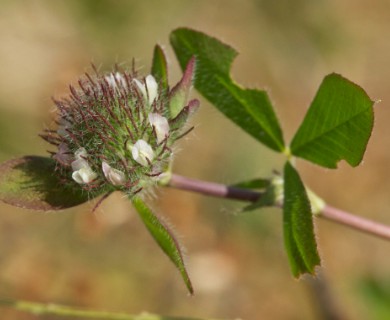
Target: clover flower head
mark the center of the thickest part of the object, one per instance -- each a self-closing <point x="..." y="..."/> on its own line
<point x="116" y="131"/>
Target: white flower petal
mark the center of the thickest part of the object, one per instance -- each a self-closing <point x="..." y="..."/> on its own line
<point x="114" y="176"/>
<point x="82" y="172"/>
<point x="151" y="84"/>
<point x="77" y="177"/>
<point x="79" y="164"/>
<point x="160" y="124"/>
<point x="142" y="152"/>
<point x="80" y="161"/>
<point x="84" y="175"/>
<point x="141" y="87"/>
<point x="87" y="174"/>
<point x="111" y="81"/>
<point x="114" y="79"/>
<point x="81" y="153"/>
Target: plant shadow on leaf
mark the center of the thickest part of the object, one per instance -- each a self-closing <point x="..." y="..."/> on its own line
<point x="30" y="182"/>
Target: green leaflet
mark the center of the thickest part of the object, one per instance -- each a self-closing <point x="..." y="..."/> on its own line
<point x="337" y="126"/>
<point x="30" y="182"/>
<point x="159" y="68"/>
<point x="164" y="238"/>
<point x="298" y="226"/>
<point x="248" y="108"/>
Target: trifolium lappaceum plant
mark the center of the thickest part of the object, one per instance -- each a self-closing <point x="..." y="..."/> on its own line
<point x="117" y="130"/>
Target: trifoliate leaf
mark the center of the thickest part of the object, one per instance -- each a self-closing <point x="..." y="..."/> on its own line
<point x="249" y="108"/>
<point x="337" y="126"/>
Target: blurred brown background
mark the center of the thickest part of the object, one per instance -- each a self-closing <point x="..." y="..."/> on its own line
<point x="107" y="260"/>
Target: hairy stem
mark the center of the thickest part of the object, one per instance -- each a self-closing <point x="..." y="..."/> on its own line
<point x="64" y="311"/>
<point x="328" y="212"/>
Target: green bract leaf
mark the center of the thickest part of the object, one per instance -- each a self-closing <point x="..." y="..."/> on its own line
<point x="272" y="195"/>
<point x="178" y="96"/>
<point x="253" y="184"/>
<point x="164" y="238"/>
<point x="30" y="182"/>
<point x="184" y="115"/>
<point x="248" y="108"/>
<point x="298" y="226"/>
<point x="159" y="67"/>
<point x="337" y="125"/>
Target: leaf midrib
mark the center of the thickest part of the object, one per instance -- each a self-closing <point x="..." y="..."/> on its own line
<point x="253" y="116"/>
<point x="220" y="76"/>
<point x="308" y="142"/>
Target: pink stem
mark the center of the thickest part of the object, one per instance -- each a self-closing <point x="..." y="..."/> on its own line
<point x="355" y="222"/>
<point x="329" y="212"/>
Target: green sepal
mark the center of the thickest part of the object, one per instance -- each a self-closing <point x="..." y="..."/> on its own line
<point x="164" y="238"/>
<point x="272" y="195"/>
<point x="182" y="118"/>
<point x="178" y="96"/>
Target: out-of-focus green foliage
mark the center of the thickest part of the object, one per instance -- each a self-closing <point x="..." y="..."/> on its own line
<point x="376" y="294"/>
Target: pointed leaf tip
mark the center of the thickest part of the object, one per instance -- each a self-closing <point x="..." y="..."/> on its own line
<point x="30" y="182"/>
<point x="160" y="68"/>
<point x="179" y="94"/>
<point x="164" y="238"/>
